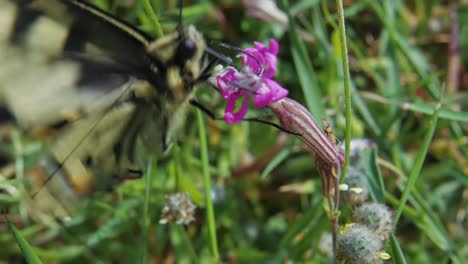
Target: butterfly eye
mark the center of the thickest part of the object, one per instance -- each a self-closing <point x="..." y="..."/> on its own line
<point x="185" y="51"/>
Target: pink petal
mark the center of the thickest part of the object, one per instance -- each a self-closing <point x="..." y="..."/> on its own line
<point x="262" y="96"/>
<point x="270" y="65"/>
<point x="225" y="83"/>
<point x="254" y="60"/>
<point x="231" y="117"/>
<point x="268" y="59"/>
<point x="278" y="92"/>
<point x="260" y="46"/>
<point x="268" y="93"/>
<point x="274" y="47"/>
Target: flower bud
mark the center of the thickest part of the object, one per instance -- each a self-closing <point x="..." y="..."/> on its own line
<point x="376" y="216"/>
<point x="359" y="245"/>
<point x="297" y="119"/>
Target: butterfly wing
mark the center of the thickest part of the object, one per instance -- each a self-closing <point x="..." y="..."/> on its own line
<point x="67" y="50"/>
<point x="96" y="83"/>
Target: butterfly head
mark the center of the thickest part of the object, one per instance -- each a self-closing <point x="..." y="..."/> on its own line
<point x="181" y="53"/>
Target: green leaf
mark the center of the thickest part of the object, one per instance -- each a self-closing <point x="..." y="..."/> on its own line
<point x="374" y="176"/>
<point x="275" y="162"/>
<point x="421" y="156"/>
<point x="428" y="109"/>
<point x="397" y="253"/>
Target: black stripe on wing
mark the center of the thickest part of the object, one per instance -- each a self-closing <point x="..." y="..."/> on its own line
<point x="121" y="41"/>
<point x="25" y="18"/>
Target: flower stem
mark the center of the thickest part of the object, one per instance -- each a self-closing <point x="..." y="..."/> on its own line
<point x="347" y="86"/>
<point x="207" y="184"/>
<point x="145" y="223"/>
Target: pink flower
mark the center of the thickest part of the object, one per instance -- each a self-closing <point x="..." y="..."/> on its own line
<point x="263" y="60"/>
<point x="260" y="64"/>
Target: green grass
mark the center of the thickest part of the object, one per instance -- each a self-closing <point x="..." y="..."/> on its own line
<point x="398" y="64"/>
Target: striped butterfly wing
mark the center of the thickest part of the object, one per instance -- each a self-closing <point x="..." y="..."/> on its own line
<point x="107" y="93"/>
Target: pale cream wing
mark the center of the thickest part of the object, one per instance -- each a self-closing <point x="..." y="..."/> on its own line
<point x="86" y="148"/>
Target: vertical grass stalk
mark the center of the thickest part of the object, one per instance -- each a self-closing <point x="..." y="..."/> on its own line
<point x="207" y="184"/>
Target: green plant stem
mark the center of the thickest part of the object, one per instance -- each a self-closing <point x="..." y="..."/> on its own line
<point x="207" y="184"/>
<point x="153" y="17"/>
<point x="347" y="85"/>
<point x="347" y="88"/>
<point x="145" y="222"/>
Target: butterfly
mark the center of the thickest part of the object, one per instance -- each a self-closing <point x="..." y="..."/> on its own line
<point x="105" y="92"/>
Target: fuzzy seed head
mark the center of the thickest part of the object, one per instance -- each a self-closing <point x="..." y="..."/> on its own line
<point x="376" y="216"/>
<point x="359" y="245"/>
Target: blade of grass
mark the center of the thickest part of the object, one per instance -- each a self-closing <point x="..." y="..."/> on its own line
<point x="423" y="216"/>
<point x="19" y="167"/>
<point x="153" y="17"/>
<point x="26" y="249"/>
<point x="372" y="169"/>
<point x="275" y="162"/>
<point x="207" y="184"/>
<point x="445" y="113"/>
<point x="418" y="163"/>
<point x="420" y="107"/>
<point x="397" y="254"/>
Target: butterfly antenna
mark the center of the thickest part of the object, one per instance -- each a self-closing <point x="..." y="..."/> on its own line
<point x="181" y="18"/>
<point x="220" y="56"/>
<point x="232" y="47"/>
